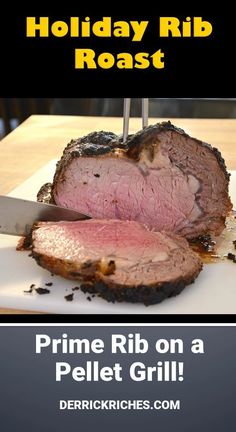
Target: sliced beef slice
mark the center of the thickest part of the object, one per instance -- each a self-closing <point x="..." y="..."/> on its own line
<point x="160" y="177"/>
<point x="122" y="261"/>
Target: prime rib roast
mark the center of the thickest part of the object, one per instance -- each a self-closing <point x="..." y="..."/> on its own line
<point x="160" y="177"/>
<point x="144" y="196"/>
<point x="120" y="260"/>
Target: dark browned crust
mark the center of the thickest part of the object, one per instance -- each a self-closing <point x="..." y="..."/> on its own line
<point x="25" y="243"/>
<point x="101" y="138"/>
<point x="148" y="295"/>
<point x="136" y="142"/>
<point x="94" y="144"/>
<point x="44" y="194"/>
<point x="95" y="281"/>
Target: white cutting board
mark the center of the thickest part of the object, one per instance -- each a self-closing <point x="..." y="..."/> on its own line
<point x="214" y="291"/>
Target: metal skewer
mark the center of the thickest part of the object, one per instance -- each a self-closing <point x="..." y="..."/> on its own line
<point x="145" y="112"/>
<point x="126" y="115"/>
<point x="126" y="119"/>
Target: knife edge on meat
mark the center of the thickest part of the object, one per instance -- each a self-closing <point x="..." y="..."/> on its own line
<point x="17" y="216"/>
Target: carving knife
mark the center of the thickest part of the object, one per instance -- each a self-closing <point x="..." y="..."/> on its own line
<point x="17" y="216"/>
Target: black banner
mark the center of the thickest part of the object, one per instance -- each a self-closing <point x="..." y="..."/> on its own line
<point x="82" y="52"/>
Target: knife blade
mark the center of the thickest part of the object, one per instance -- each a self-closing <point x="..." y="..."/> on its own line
<point x="17" y="216"/>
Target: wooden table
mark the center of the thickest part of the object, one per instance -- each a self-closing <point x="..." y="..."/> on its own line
<point x="42" y="138"/>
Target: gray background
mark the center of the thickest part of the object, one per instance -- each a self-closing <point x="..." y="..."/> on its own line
<point x="29" y="394"/>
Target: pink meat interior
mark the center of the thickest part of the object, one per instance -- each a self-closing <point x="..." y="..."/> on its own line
<point x="141" y="257"/>
<point x="114" y="188"/>
<point x="96" y="239"/>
